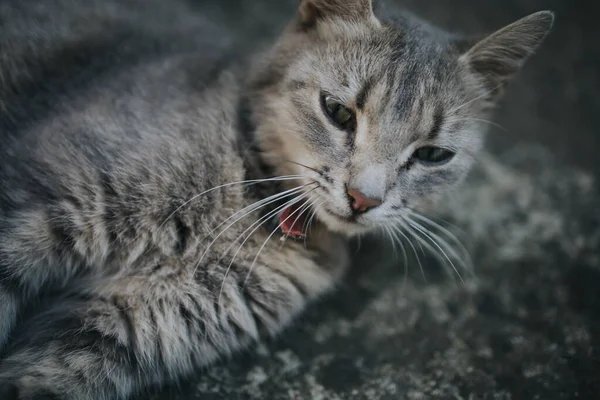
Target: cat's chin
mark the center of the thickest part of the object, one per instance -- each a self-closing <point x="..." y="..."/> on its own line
<point x="340" y="225"/>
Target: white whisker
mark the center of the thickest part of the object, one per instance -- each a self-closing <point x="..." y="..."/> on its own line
<point x="424" y="232"/>
<point x="256" y="227"/>
<point x="388" y="231"/>
<point x="474" y="100"/>
<point x="251" y="208"/>
<point x="410" y="243"/>
<point x="309" y="221"/>
<point x="303" y="209"/>
<point x="442" y="242"/>
<point x="422" y="242"/>
<point x="265" y="201"/>
<point x="250" y="182"/>
<point x="485" y="121"/>
<point x="312" y="211"/>
<point x="467" y="263"/>
<point x="271" y="235"/>
<point x="396" y="230"/>
<point x="358" y="244"/>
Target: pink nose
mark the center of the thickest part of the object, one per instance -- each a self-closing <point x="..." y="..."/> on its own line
<point x="361" y="203"/>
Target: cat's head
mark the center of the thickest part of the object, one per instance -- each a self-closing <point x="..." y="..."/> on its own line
<point x="384" y="115"/>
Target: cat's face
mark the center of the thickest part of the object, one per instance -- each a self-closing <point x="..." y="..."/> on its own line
<point x="384" y="116"/>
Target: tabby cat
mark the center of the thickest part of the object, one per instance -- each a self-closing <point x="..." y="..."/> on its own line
<point x="162" y="207"/>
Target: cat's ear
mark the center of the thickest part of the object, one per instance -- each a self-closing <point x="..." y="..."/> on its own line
<point x="311" y="11"/>
<point x="499" y="56"/>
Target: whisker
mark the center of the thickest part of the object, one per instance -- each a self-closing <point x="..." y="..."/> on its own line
<point x="304" y="166"/>
<point x="394" y="249"/>
<point x="410" y="243"/>
<point x="310" y="220"/>
<point x="465" y="253"/>
<point x="474" y="100"/>
<point x="270" y="214"/>
<point x="492" y="123"/>
<point x="405" y="279"/>
<point x="253" y="207"/>
<point x="442" y="241"/>
<point x="358" y="244"/>
<point x="423" y="231"/>
<point x="260" y="223"/>
<point x="271" y="235"/>
<point x="454" y="227"/>
<point x="306" y="206"/>
<point x="268" y="200"/>
<point x="312" y="210"/>
<point x="395" y="232"/>
<point x="303" y="209"/>
<point x="251" y="182"/>
<point x="422" y="242"/>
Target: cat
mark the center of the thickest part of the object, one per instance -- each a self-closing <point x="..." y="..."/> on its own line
<point x="162" y="207"/>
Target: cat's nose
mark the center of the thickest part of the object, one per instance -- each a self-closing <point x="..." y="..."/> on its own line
<point x="360" y="203"/>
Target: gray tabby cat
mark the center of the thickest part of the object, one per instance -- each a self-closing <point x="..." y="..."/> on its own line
<point x="144" y="182"/>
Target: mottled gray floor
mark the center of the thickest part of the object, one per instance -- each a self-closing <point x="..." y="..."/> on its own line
<point x="528" y="325"/>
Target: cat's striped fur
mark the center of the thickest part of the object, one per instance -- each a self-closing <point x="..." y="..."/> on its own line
<point x="124" y="142"/>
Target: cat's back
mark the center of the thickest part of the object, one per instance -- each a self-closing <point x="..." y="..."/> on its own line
<point x="98" y="78"/>
<point x="111" y="111"/>
<point x="56" y="51"/>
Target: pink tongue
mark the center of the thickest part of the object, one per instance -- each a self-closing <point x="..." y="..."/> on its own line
<point x="292" y="222"/>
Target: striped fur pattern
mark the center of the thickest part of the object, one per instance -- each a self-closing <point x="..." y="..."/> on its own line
<point x="142" y="177"/>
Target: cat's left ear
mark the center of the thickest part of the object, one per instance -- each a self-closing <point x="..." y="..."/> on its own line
<point x="313" y="11"/>
<point x="498" y="57"/>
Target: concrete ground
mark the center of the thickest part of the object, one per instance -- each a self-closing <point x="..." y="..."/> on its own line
<point x="528" y="326"/>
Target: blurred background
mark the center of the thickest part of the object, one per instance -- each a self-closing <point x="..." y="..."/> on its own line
<point x="528" y="327"/>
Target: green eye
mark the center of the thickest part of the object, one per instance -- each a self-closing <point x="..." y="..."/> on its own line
<point x="431" y="155"/>
<point x="339" y="114"/>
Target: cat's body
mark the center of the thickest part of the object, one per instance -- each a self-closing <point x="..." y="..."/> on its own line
<point x="119" y="261"/>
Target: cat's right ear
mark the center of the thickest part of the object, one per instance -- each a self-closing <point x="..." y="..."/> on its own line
<point x="499" y="56"/>
<point x="313" y="11"/>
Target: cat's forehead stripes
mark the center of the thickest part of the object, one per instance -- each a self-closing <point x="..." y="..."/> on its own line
<point x="438" y="122"/>
<point x="362" y="96"/>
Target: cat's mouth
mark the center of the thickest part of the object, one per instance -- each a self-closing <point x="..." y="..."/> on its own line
<point x="294" y="220"/>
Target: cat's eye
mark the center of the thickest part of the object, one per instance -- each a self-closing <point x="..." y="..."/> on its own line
<point x="431" y="155"/>
<point x="338" y="113"/>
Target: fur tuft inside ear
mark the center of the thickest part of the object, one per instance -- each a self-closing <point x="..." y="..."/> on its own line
<point x="499" y="56"/>
<point x="311" y="11"/>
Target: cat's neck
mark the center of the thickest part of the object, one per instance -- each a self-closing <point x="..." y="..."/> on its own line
<point x="248" y="146"/>
<point x="258" y="162"/>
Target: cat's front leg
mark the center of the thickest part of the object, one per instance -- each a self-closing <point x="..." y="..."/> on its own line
<point x="128" y="334"/>
<point x="112" y="342"/>
<point x="37" y="254"/>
